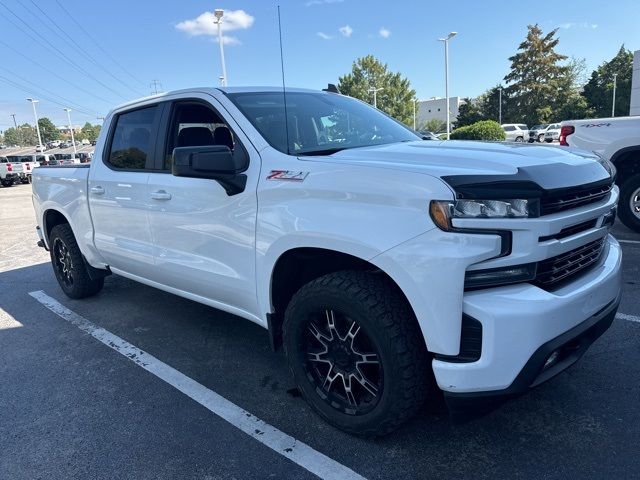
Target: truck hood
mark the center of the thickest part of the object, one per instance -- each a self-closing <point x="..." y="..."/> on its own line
<point x="550" y="167"/>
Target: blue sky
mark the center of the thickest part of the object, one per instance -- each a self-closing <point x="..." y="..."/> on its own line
<point x="164" y="40"/>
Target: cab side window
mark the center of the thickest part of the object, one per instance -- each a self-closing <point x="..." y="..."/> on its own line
<point x="132" y="138"/>
<point x="195" y="124"/>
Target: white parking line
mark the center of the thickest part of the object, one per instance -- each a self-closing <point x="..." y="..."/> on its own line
<point x="635" y="242"/>
<point x="624" y="316"/>
<point x="281" y="443"/>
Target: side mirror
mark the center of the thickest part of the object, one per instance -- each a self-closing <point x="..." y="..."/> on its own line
<point x="216" y="162"/>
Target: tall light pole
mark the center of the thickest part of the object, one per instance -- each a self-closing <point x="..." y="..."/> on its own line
<point x="415" y="101"/>
<point x="218" y="14"/>
<point x="613" y="106"/>
<point x="33" y="103"/>
<point x="500" y="105"/>
<point x="446" y="76"/>
<point x="375" y="95"/>
<point x="73" y="140"/>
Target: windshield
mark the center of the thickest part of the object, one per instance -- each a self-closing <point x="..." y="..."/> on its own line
<point x="319" y="123"/>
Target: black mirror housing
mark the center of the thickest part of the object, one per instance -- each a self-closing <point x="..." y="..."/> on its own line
<point x="216" y="162"/>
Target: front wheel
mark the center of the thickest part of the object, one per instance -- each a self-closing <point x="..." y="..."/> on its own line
<point x="629" y="203"/>
<point x="541" y="138"/>
<point x="356" y="352"/>
<point x="68" y="264"/>
<point x="519" y="139"/>
<point x="7" y="183"/>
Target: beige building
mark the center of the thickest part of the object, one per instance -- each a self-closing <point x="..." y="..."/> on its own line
<point x="434" y="109"/>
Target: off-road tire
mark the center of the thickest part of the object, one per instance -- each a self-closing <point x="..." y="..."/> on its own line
<point x="628" y="189"/>
<point x="383" y="313"/>
<point x="75" y="282"/>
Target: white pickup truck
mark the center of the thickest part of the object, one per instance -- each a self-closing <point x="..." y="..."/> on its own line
<point x="616" y="140"/>
<point x="9" y="172"/>
<point x="378" y="261"/>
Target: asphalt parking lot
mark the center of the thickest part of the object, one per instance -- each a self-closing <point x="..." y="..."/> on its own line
<point x="71" y="407"/>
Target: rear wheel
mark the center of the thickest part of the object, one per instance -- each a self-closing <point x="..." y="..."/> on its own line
<point x="69" y="266"/>
<point x="541" y="138"/>
<point x="520" y="139"/>
<point x="7" y="183"/>
<point x="356" y="352"/>
<point x="629" y="203"/>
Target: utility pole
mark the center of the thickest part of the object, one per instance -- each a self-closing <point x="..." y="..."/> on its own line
<point x="33" y="104"/>
<point x="73" y="140"/>
<point x="500" y="105"/>
<point x="446" y="76"/>
<point x="415" y="100"/>
<point x="375" y="95"/>
<point x="15" y="124"/>
<point x="154" y="86"/>
<point x="615" y="84"/>
<point x="218" y="14"/>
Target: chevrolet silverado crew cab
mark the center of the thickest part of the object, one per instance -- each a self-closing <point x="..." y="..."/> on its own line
<point x="616" y="140"/>
<point x="377" y="261"/>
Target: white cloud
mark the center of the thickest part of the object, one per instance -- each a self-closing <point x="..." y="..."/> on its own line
<point x="324" y="36"/>
<point x="384" y="33"/>
<point x="205" y="24"/>
<point x="322" y="2"/>
<point x="346" y="31"/>
<point x="570" y="25"/>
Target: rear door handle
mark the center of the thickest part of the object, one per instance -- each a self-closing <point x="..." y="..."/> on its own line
<point x="97" y="190"/>
<point x="160" y="195"/>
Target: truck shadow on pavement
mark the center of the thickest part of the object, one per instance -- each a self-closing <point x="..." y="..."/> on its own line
<point x="582" y="423"/>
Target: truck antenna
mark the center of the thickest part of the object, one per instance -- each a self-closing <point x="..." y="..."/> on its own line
<point x="284" y="90"/>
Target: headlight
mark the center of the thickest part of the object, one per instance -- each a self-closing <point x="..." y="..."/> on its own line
<point x="443" y="211"/>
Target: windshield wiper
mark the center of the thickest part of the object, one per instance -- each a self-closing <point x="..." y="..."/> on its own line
<point x="326" y="151"/>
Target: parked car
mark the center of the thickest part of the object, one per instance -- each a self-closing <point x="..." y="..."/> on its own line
<point x="40" y="148"/>
<point x="536" y="134"/>
<point x="516" y="132"/>
<point x="94" y="143"/>
<point x="67" y="158"/>
<point x="427" y="135"/>
<point x="44" y="159"/>
<point x="2" y="147"/>
<point x="553" y="133"/>
<point x="64" y="144"/>
<point x="53" y="144"/>
<point x="377" y="269"/>
<point x="617" y="140"/>
<point x="9" y="175"/>
<point x="85" y="142"/>
<point x="27" y="164"/>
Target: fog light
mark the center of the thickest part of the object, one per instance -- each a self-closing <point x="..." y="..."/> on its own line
<point x="499" y="276"/>
<point x="552" y="360"/>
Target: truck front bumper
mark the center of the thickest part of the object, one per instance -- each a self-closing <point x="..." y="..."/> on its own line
<point x="530" y="334"/>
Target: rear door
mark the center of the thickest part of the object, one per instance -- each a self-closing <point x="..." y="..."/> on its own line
<point x="118" y="193"/>
<point x="204" y="238"/>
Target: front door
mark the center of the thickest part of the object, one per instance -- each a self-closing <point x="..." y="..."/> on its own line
<point x="205" y="239"/>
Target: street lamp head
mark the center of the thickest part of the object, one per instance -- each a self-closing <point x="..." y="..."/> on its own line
<point x="67" y="110"/>
<point x="32" y="100"/>
<point x="451" y="35"/>
<point x="218" y="12"/>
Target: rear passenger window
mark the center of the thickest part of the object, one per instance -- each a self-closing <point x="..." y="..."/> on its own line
<point x="131" y="141"/>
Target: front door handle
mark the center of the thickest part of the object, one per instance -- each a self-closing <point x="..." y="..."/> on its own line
<point x="160" y="195"/>
<point x="97" y="190"/>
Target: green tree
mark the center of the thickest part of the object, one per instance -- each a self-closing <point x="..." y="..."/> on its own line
<point x="89" y="132"/>
<point x="469" y="113"/>
<point x="24" y="135"/>
<point x="434" y="125"/>
<point x="598" y="92"/>
<point x="535" y="79"/>
<point x="396" y="96"/>
<point x="48" y="130"/>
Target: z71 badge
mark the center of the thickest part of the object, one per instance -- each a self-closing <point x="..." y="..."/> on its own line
<point x="290" y="175"/>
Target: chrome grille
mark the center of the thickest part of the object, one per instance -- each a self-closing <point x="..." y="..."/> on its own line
<point x="555" y="271"/>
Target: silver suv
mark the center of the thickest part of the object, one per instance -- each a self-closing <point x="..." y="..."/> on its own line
<point x="516" y="132"/>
